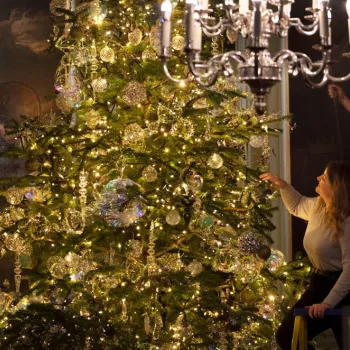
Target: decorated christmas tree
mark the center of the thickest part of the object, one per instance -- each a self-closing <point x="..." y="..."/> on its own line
<point x="139" y="224"/>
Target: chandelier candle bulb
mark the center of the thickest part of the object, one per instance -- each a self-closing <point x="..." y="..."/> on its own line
<point x="243" y="6"/>
<point x="166" y="9"/>
<point x="324" y="17"/>
<point x="315" y="4"/>
<point x="73" y="5"/>
<point x="287" y="9"/>
<point x="204" y="5"/>
<point x="257" y="18"/>
<point x="194" y="28"/>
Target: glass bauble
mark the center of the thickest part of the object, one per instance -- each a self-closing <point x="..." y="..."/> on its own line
<point x="275" y="261"/>
<point x="134" y="137"/>
<point x="195" y="182"/>
<point x="67" y="100"/>
<point x="150" y="174"/>
<point x="256" y="141"/>
<point x="183" y="128"/>
<point x="57" y="266"/>
<point x="195" y="268"/>
<point x="121" y="203"/>
<point x="37" y="194"/>
<point x="215" y="161"/>
<point x="98" y="12"/>
<point x="173" y="217"/>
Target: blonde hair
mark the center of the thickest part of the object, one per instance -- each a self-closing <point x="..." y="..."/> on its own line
<point x="339" y="209"/>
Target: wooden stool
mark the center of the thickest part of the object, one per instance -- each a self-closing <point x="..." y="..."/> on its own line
<point x="300" y="326"/>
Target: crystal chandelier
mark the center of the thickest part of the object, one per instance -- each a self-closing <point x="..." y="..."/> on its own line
<point x="255" y="20"/>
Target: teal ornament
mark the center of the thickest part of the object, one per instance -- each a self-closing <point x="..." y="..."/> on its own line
<point x="206" y="222"/>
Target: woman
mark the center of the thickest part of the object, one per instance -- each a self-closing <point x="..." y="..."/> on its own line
<point x="327" y="243"/>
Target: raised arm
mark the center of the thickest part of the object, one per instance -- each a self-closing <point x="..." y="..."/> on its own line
<point x="297" y="204"/>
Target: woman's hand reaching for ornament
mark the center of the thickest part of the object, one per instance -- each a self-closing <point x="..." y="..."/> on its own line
<point x="276" y="181"/>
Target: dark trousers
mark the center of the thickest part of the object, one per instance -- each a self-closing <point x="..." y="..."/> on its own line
<point x="319" y="288"/>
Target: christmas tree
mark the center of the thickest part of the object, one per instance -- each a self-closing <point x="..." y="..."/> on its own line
<point x="139" y="224"/>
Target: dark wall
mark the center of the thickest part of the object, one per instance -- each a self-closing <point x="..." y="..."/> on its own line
<point x="322" y="131"/>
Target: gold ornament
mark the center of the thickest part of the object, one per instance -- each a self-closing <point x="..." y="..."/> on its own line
<point x="17" y="213"/>
<point x="93" y="119"/>
<point x="107" y="54"/>
<point x="134" y="94"/>
<point x="178" y="42"/>
<point x="14" y="195"/>
<point x="149" y="54"/>
<point x="57" y="267"/>
<point x="99" y="84"/>
<point x="183" y="128"/>
<point x="231" y="34"/>
<point x="135" y="37"/>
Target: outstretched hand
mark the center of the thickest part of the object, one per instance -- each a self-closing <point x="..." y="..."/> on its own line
<point x="276" y="181"/>
<point x="336" y="92"/>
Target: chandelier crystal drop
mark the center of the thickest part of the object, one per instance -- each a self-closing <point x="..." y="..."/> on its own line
<point x="255" y="20"/>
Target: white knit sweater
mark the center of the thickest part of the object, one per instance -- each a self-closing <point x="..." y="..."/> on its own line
<point x="323" y="253"/>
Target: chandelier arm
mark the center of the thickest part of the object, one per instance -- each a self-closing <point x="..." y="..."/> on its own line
<point x="210" y="34"/>
<point x="209" y="66"/>
<point x="306" y="64"/>
<point x="217" y="28"/>
<point x="322" y="83"/>
<point x="285" y="55"/>
<point x="211" y="83"/>
<point x="304" y="29"/>
<point x="337" y="79"/>
<point x="170" y="77"/>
